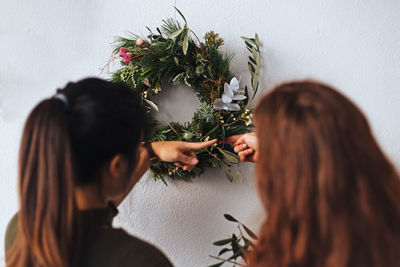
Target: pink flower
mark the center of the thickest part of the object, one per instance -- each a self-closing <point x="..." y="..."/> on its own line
<point x="127" y="58"/>
<point x="122" y="50"/>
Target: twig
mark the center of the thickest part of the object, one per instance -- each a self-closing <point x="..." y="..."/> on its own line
<point x="226" y="165"/>
<point x="195" y="35"/>
<point x="226" y="260"/>
<point x="172" y="128"/>
<point x="111" y="59"/>
<point x="201" y="48"/>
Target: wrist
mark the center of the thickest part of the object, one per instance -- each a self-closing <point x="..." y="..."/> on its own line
<point x="150" y="148"/>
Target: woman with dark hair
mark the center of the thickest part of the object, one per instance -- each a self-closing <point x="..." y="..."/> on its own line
<point x="331" y="196"/>
<point x="80" y="155"/>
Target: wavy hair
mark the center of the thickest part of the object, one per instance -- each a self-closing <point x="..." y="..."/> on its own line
<point x="331" y="196"/>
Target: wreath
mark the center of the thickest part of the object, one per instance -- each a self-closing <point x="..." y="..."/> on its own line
<point x="174" y="54"/>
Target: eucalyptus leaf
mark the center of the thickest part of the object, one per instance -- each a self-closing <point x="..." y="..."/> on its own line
<point x="222" y="242"/>
<point x="151" y="104"/>
<point x="228" y="175"/>
<point x="230" y="218"/>
<point x="231" y="157"/>
<point x="217" y="264"/>
<point x="249" y="232"/>
<point x="212" y="130"/>
<point x="224" y="251"/>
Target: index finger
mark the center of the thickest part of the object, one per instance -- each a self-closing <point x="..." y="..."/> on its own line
<point x="199" y="145"/>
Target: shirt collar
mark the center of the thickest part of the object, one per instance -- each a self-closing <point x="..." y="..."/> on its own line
<point x="100" y="216"/>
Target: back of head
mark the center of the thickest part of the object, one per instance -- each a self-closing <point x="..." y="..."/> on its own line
<point x="66" y="142"/>
<point x="331" y="196"/>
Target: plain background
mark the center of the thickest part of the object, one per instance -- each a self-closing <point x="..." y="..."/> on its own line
<point x="352" y="45"/>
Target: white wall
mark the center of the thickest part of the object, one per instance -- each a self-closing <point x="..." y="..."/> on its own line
<point x="353" y="45"/>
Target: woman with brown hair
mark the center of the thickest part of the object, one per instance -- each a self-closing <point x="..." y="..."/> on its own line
<point x="80" y="155"/>
<point x="331" y="196"/>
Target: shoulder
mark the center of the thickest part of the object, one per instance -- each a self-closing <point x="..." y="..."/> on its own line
<point x="115" y="247"/>
<point x="11" y="232"/>
<point x="144" y="253"/>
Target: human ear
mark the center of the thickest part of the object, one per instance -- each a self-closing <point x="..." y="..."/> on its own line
<point x="118" y="166"/>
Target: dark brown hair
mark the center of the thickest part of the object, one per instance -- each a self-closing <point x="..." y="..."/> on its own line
<point x="331" y="196"/>
<point x="65" y="143"/>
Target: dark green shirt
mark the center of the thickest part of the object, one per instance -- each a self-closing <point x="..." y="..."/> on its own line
<point x="104" y="245"/>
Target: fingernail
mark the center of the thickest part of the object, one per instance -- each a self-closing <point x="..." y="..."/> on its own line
<point x="194" y="161"/>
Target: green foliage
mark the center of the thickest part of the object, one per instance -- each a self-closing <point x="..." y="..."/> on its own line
<point x="174" y="54"/>
<point x="253" y="45"/>
<point x="236" y="245"/>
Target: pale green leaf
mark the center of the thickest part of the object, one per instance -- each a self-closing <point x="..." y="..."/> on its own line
<point x="254" y="83"/>
<point x="175" y="34"/>
<point x="254" y="52"/>
<point x="185" y="43"/>
<point x="151" y="104"/>
<point x="257" y="40"/>
<point x="248" y="40"/>
<point x="258" y="62"/>
<point x="180" y="13"/>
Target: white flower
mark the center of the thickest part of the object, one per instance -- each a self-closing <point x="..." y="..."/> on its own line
<point x="230" y="94"/>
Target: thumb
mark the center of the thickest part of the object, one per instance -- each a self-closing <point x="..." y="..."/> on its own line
<point x="187" y="159"/>
<point x="200" y="145"/>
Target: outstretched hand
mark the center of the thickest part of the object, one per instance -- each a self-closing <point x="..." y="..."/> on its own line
<point x="180" y="153"/>
<point x="246" y="145"/>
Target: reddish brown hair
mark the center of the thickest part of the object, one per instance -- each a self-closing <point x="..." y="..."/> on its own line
<point x="331" y="196"/>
